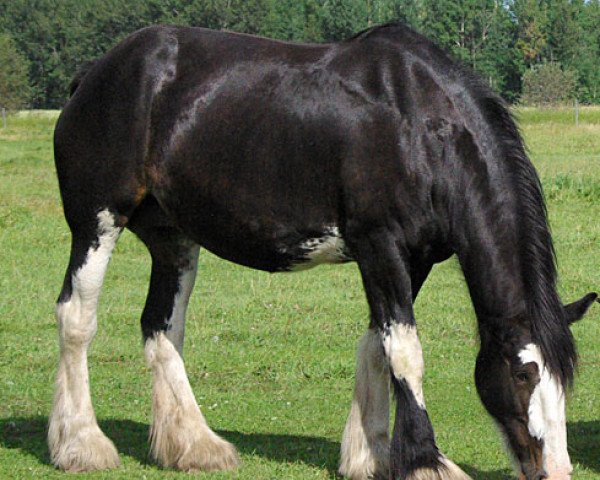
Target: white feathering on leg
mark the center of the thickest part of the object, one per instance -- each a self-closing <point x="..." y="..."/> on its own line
<point x="365" y="442"/>
<point x="76" y="442"/>
<point x="180" y="437"/>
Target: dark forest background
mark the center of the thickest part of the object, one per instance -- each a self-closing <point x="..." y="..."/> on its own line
<point x="512" y="44"/>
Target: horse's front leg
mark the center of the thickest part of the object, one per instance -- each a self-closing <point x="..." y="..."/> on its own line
<point x="365" y="449"/>
<point x="365" y="443"/>
<point x="414" y="454"/>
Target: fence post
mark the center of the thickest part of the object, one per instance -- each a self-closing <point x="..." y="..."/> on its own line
<point x="4" y="117"/>
<point x="576" y="113"/>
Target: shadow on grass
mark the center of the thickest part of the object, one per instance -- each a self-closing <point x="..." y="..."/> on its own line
<point x="315" y="451"/>
<point x="584" y="438"/>
<point x="492" y="475"/>
<point x="29" y="436"/>
<point x="131" y="438"/>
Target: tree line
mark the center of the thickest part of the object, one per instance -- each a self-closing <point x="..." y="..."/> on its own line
<point x="43" y="42"/>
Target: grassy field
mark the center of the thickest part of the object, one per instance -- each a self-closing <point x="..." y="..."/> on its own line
<point x="271" y="357"/>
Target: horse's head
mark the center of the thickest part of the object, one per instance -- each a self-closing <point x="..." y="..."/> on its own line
<point x="523" y="396"/>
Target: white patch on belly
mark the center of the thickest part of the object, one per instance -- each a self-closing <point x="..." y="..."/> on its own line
<point x="547" y="419"/>
<point x="329" y="248"/>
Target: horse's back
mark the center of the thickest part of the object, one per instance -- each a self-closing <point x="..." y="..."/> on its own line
<point x="254" y="147"/>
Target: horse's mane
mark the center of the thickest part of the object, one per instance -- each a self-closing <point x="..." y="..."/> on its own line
<point x="549" y="327"/>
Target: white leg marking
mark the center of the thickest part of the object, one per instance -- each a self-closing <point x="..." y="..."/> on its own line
<point x="403" y="350"/>
<point x="365" y="442"/>
<point x="75" y="440"/>
<point x="180" y="437"/>
<point x="547" y="420"/>
<point x="176" y="323"/>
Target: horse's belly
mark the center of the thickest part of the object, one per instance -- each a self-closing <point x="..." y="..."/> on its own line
<point x="286" y="252"/>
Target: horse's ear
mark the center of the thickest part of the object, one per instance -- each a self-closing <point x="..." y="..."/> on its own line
<point x="574" y="311"/>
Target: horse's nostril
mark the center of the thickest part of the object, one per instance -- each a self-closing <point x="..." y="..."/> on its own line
<point x="539" y="475"/>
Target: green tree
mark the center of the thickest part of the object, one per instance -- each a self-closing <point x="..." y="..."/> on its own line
<point x="482" y="34"/>
<point x="245" y="16"/>
<point x="441" y="21"/>
<point x="496" y="56"/>
<point x="14" y="86"/>
<point x="563" y="31"/>
<point x="498" y="38"/>
<point x="343" y="18"/>
<point x="548" y="84"/>
<point x="588" y="57"/>
<point x="58" y="37"/>
<point x="531" y="17"/>
<point x="313" y="28"/>
<point x="285" y="20"/>
<point x="407" y="11"/>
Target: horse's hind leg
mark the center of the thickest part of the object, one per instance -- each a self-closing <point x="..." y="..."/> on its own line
<point x="180" y="437"/>
<point x="75" y="440"/>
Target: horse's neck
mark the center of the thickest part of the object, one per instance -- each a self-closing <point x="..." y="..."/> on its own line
<point x="491" y="262"/>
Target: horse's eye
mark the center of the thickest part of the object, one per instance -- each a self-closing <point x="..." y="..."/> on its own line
<point x="522" y="376"/>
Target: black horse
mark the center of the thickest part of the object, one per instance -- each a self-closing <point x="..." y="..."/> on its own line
<point x="278" y="156"/>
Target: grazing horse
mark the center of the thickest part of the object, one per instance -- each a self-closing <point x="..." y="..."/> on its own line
<point x="279" y="156"/>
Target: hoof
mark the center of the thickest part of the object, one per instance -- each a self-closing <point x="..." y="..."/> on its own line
<point x="364" y="474"/>
<point x="366" y="461"/>
<point x="215" y="454"/>
<point x="203" y="450"/>
<point x="86" y="450"/>
<point x="447" y="471"/>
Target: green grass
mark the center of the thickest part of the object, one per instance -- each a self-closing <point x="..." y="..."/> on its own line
<point x="588" y="115"/>
<point x="270" y="357"/>
<point x="559" y="149"/>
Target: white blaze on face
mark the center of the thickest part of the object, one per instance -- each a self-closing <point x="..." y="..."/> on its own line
<point x="403" y="350"/>
<point x="547" y="420"/>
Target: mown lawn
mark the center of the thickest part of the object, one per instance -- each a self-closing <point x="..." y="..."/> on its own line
<point x="271" y="357"/>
